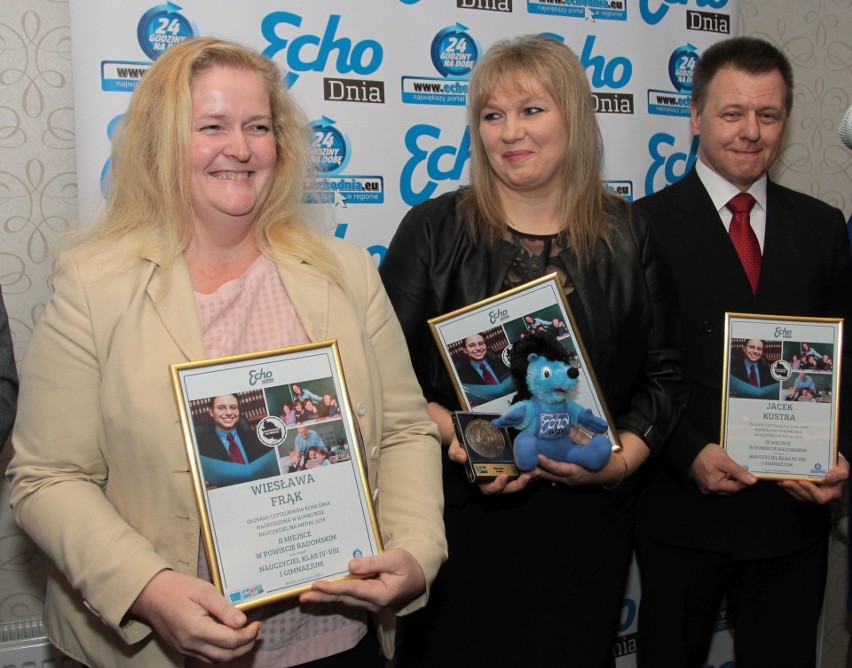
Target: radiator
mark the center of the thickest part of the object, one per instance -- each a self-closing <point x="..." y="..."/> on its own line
<point x="24" y="644"/>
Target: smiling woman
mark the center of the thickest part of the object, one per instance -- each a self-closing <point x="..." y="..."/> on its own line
<point x="232" y="150"/>
<point x="560" y="534"/>
<point x="522" y="131"/>
<point x="202" y="252"/>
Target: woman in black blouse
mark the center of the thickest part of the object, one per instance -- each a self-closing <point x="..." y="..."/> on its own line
<point x="537" y="565"/>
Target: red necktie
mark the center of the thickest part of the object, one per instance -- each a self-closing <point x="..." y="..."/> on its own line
<point x="752" y="376"/>
<point x="234" y="450"/>
<point x="744" y="238"/>
<point x="487" y="376"/>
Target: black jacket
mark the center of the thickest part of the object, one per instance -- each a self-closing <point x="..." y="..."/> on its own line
<point x="806" y="271"/>
<point x="623" y="306"/>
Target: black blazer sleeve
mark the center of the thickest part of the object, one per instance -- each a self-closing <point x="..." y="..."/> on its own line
<point x="659" y="391"/>
<point x="420" y="273"/>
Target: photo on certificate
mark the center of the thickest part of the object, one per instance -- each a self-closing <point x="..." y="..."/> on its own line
<point x="475" y="343"/>
<point x="278" y="470"/>
<point x="779" y="405"/>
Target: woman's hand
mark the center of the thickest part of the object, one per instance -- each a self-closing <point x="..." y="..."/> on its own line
<point x="194" y="618"/>
<point x="392" y="578"/>
<point x="574" y="474"/>
<point x="621" y="464"/>
<point x="501" y="485"/>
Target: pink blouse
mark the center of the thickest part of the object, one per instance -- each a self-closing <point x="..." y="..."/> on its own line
<point x="251" y="313"/>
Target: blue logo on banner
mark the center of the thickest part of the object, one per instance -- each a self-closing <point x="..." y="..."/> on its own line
<point x="628" y="614"/>
<point x="654" y="16"/>
<point x="668" y="103"/>
<point x="681" y="66"/>
<point x="122" y="76"/>
<point x="613" y="74"/>
<point x="676" y="102"/>
<point x="162" y="27"/>
<point x="362" y="57"/>
<point x="613" y="10"/>
<point x="453" y="157"/>
<point x="673" y="164"/>
<point x="330" y="151"/>
<point x="454" y="53"/>
<point x="622" y="188"/>
<point x="376" y="250"/>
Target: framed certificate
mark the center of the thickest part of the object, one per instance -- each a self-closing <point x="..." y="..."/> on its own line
<point x="278" y="470"/>
<point x="475" y="342"/>
<point x="780" y="401"/>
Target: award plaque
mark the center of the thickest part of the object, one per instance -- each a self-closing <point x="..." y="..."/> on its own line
<point x="780" y="396"/>
<point x="489" y="448"/>
<point x="278" y="470"/>
<point x="475" y="342"/>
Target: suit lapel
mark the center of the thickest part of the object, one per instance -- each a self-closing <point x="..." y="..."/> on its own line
<point x="780" y="248"/>
<point x="704" y="240"/>
<point x="308" y="290"/>
<point x="175" y="304"/>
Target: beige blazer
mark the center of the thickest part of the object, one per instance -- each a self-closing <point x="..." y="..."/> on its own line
<point x="100" y="478"/>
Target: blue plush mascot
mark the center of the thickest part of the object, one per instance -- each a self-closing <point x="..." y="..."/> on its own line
<point x="545" y="414"/>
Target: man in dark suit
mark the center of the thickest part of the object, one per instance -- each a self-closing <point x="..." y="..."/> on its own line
<point x="227" y="439"/>
<point x="706" y="527"/>
<point x="480" y="366"/>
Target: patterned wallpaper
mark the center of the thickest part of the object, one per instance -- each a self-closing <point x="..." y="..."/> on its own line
<point x="815" y="35"/>
<point x="38" y="195"/>
<point x="38" y="191"/>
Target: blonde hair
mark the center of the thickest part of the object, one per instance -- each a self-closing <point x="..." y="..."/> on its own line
<point x="149" y="198"/>
<point x="542" y="64"/>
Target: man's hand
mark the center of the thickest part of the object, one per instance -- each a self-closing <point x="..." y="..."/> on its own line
<point x="194" y="618"/>
<point x="716" y="473"/>
<point x="824" y="492"/>
<point x="393" y="578"/>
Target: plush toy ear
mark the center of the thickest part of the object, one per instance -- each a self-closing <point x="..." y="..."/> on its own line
<point x="572" y="372"/>
<point x="532" y="357"/>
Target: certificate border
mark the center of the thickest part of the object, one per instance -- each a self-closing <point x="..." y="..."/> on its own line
<point x="180" y="372"/>
<point x="548" y="280"/>
<point x="780" y="320"/>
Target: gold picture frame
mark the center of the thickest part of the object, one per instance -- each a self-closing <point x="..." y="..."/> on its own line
<point x="779" y="414"/>
<point x="290" y="504"/>
<point x="501" y="320"/>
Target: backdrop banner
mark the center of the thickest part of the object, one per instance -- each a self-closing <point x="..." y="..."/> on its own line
<point x="384" y="84"/>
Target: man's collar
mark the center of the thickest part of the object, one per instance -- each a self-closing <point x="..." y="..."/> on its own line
<point x="721" y="191"/>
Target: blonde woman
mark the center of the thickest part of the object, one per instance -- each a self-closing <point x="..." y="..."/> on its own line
<point x="202" y="252"/>
<point x="547" y="554"/>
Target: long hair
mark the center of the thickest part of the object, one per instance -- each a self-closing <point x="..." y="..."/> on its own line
<point x="531" y="64"/>
<point x="149" y="198"/>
